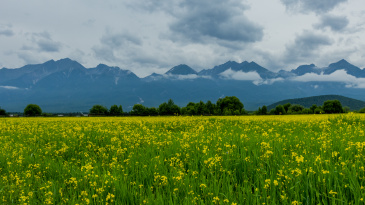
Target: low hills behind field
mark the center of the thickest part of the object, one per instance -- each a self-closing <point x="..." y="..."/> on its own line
<point x="353" y="104"/>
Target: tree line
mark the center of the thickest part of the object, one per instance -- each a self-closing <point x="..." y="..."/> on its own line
<point x="224" y="106"/>
<point x="328" y="107"/>
<point x="229" y="105"/>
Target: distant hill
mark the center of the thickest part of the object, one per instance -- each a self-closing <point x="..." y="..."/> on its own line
<point x="353" y="104"/>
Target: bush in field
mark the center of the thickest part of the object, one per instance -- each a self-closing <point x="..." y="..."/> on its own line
<point x="98" y="110"/>
<point x="32" y="110"/>
<point x="362" y="110"/>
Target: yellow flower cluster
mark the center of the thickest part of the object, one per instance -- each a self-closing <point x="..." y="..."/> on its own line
<point x="306" y="159"/>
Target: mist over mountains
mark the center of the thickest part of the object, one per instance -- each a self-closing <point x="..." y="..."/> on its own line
<point x="67" y="86"/>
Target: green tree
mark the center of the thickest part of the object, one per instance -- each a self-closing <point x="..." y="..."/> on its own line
<point x="152" y="111"/>
<point x="346" y="109"/>
<point x="286" y="107"/>
<point x="318" y="110"/>
<point x="116" y="110"/>
<point x="2" y="112"/>
<point x="201" y="108"/>
<point x="313" y="108"/>
<point x="259" y="111"/>
<point x="295" y="109"/>
<point x="169" y="108"/>
<point x="272" y="111"/>
<point x="229" y="105"/>
<point x="362" y="110"/>
<point x="190" y="109"/>
<point x="280" y="110"/>
<point x="139" y="110"/>
<point x="332" y="106"/>
<point x="210" y="107"/>
<point x="264" y="110"/>
<point x="307" y="111"/>
<point x="32" y="110"/>
<point x="98" y="110"/>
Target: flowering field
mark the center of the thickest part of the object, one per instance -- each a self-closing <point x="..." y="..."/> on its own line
<point x="308" y="159"/>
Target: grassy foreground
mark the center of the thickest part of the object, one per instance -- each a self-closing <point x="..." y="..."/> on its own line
<point x="312" y="159"/>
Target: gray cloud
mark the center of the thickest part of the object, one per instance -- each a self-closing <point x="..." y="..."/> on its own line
<point x="120" y="39"/>
<point x="316" y="6"/>
<point x="335" y="23"/>
<point x="104" y="53"/>
<point x="112" y="43"/>
<point x="48" y="45"/>
<point x="42" y="42"/>
<point x="305" y="47"/>
<point x="5" y="30"/>
<point x="28" y="57"/>
<point x="207" y="21"/>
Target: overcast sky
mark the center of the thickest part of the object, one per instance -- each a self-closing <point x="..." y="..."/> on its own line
<point x="154" y="35"/>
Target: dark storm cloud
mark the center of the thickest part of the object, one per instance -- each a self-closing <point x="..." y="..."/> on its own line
<point x="305" y="47"/>
<point x="335" y="23"/>
<point x="316" y="6"/>
<point x="204" y="20"/>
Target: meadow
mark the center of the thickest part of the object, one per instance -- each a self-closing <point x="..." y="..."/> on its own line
<point x="296" y="159"/>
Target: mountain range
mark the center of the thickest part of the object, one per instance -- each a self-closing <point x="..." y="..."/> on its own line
<point x="67" y="86"/>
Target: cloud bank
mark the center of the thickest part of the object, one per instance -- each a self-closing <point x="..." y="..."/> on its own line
<point x="316" y="6"/>
<point x="337" y="76"/>
<point x="335" y="23"/>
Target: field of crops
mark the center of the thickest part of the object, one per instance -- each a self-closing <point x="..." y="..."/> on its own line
<point x="309" y="159"/>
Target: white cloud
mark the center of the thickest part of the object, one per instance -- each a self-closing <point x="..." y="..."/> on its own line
<point x="184" y="77"/>
<point x="337" y="76"/>
<point x="9" y="87"/>
<point x="268" y="81"/>
<point x="239" y="75"/>
<point x="249" y="76"/>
